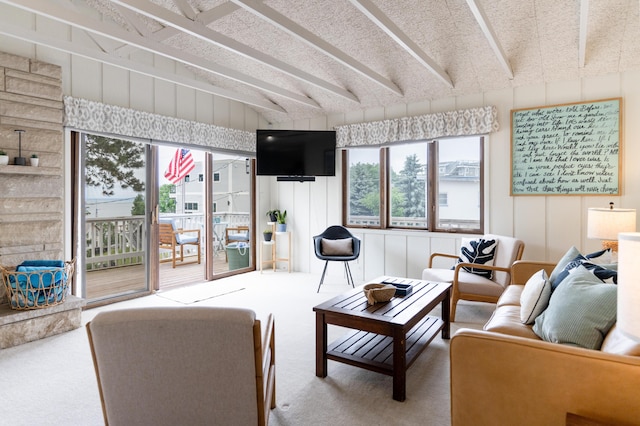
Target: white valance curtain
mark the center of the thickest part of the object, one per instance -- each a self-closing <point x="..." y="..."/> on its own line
<point x="97" y="117"/>
<point x="465" y="122"/>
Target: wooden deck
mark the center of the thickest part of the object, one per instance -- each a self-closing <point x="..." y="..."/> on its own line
<point x="131" y="279"/>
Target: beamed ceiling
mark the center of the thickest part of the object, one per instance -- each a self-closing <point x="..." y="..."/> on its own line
<point x="302" y="59"/>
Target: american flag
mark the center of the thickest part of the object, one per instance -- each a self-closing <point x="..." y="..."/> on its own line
<point x="180" y="166"/>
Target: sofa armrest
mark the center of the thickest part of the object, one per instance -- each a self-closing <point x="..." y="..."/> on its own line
<point x="499" y="379"/>
<point x="522" y="270"/>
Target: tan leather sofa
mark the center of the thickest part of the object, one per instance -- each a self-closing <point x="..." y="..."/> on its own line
<point x="506" y="375"/>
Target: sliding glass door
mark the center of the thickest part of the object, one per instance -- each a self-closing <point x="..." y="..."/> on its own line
<point x="112" y="217"/>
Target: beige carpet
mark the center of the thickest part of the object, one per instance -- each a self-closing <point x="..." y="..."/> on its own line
<point x="51" y="381"/>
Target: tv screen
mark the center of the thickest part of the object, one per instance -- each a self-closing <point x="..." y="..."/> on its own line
<point x="296" y="152"/>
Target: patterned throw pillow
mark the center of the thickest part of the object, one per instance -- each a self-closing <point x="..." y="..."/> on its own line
<point x="605" y="275"/>
<point x="478" y="251"/>
<point x="580" y="312"/>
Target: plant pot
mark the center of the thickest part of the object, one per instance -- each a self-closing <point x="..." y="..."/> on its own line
<point x="267" y="236"/>
<point x="34" y="161"/>
<point x="281" y="227"/>
<point x="272" y="217"/>
<point x="4" y="160"/>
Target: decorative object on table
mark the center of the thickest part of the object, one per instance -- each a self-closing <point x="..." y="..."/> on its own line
<point x="281" y="218"/>
<point x="268" y="233"/>
<point x="402" y="288"/>
<point x="605" y="224"/>
<point x="4" y="158"/>
<point x="376" y="293"/>
<point x="37" y="284"/>
<point x="34" y="160"/>
<point x="20" y="160"/>
<point x="273" y="215"/>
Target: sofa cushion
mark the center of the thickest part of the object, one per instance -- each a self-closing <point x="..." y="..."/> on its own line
<point x="581" y="311"/>
<point x="511" y="295"/>
<point x="535" y="297"/>
<point x="481" y="251"/>
<point x="467" y="282"/>
<point x="506" y="320"/>
<point x="339" y="247"/>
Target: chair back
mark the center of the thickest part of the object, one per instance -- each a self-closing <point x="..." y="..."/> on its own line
<point x="508" y="250"/>
<point x="336" y="232"/>
<point x="169" y="366"/>
<point x="166" y="235"/>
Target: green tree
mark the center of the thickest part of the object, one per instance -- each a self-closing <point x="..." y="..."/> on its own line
<point x="411" y="184"/>
<point x="113" y="161"/>
<point x="138" y="207"/>
<point x="167" y="204"/>
<point x="364" y="188"/>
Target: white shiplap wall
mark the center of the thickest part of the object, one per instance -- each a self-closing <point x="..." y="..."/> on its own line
<point x="548" y="225"/>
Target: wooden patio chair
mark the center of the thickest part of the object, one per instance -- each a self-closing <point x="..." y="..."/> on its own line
<point x="174" y="239"/>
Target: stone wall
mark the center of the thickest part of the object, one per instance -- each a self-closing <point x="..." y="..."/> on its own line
<point x="31" y="207"/>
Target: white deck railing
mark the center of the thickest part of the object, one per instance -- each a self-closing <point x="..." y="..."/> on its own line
<point x="121" y="241"/>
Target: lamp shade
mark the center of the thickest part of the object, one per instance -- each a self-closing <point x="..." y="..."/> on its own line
<point x="628" y="320"/>
<point x="606" y="224"/>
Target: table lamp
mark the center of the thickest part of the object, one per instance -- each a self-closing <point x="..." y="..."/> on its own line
<point x="606" y="224"/>
<point x="628" y="319"/>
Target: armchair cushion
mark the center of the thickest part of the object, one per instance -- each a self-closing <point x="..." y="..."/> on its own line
<point x="479" y="251"/>
<point x="534" y="298"/>
<point x="340" y="247"/>
<point x="581" y="311"/>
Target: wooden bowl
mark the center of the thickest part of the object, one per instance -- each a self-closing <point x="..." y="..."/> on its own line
<point x="376" y="293"/>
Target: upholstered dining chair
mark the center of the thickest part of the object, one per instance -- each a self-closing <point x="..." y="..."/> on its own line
<point x="184" y="366"/>
<point x="174" y="239"/>
<point x="336" y="243"/>
<point x="480" y="282"/>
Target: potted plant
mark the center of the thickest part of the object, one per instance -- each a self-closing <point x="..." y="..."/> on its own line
<point x="34" y="160"/>
<point x="273" y="215"/>
<point x="267" y="233"/>
<point x="281" y="218"/>
<point x="4" y="158"/>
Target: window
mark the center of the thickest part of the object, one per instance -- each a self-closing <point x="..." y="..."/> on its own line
<point x="200" y="177"/>
<point x="187" y="178"/>
<point x="363" y="181"/>
<point x="216" y="177"/>
<point x="433" y="185"/>
<point x="191" y="206"/>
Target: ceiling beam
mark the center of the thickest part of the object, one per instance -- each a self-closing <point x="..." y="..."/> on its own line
<point x="277" y="19"/>
<point x="205" y="18"/>
<point x="208" y="35"/>
<point x="31" y="36"/>
<point x="51" y="9"/>
<point x="582" y="43"/>
<point x="376" y="16"/>
<point x="185" y="8"/>
<point x="490" y="35"/>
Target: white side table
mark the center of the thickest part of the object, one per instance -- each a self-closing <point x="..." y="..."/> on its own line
<point x="264" y="245"/>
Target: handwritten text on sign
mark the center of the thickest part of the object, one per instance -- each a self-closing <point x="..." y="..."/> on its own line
<point x="566" y="149"/>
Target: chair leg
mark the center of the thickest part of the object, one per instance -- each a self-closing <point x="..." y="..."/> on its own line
<point x="348" y="273"/>
<point x="452" y="313"/>
<point x="324" y="271"/>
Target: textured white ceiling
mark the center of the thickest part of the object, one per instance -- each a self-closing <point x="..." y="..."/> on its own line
<point x="540" y="40"/>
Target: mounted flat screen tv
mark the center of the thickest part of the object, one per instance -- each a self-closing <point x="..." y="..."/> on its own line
<point x="296" y="153"/>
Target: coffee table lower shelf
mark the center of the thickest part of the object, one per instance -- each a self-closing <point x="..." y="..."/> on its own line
<point x="375" y="351"/>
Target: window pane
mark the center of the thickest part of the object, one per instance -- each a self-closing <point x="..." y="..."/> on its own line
<point x="459" y="183"/>
<point x="408" y="165"/>
<point x="363" y="187"/>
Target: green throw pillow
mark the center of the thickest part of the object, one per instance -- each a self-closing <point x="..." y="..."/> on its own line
<point x="581" y="311"/>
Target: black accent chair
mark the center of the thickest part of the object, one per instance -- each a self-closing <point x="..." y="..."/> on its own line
<point x="334" y="250"/>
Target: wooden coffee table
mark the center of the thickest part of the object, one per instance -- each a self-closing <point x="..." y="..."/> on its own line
<point x="389" y="336"/>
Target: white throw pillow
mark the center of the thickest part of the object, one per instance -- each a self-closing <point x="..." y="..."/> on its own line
<point x="535" y="297"/>
<point x="478" y="251"/>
